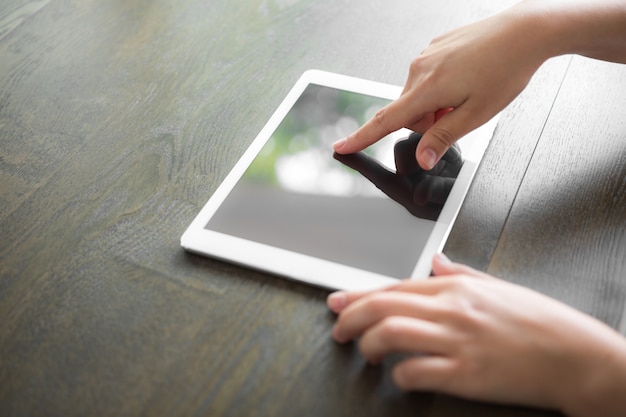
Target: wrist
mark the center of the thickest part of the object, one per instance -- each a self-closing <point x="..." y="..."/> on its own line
<point x="535" y="35"/>
<point x="600" y="386"/>
<point x="595" y="29"/>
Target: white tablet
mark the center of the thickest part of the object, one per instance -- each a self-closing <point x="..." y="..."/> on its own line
<point x="293" y="208"/>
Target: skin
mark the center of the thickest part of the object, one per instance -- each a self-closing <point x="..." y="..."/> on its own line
<point x="474" y="335"/>
<point x="465" y="77"/>
<point x="482" y="338"/>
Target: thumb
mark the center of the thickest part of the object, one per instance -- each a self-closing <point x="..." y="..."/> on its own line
<point x="444" y="266"/>
<point x="442" y="135"/>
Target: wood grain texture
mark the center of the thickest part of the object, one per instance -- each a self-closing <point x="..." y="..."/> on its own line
<point x="118" y="119"/>
<point x="14" y="13"/>
<point x="477" y="229"/>
<point x="566" y="235"/>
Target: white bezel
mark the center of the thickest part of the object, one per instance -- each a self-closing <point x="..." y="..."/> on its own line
<point x="306" y="268"/>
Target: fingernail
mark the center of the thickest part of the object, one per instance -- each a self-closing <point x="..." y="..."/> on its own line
<point x="340" y="144"/>
<point x="337" y="301"/>
<point x="429" y="157"/>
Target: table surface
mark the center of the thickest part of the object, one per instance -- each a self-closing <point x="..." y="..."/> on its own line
<point x="118" y="120"/>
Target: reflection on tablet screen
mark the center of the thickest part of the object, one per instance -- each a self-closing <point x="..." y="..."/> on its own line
<point x="373" y="210"/>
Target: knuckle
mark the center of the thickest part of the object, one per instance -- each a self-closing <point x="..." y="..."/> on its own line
<point x="462" y="304"/>
<point x="437" y="39"/>
<point x="442" y="136"/>
<point x="376" y="305"/>
<point x="416" y="65"/>
<point x="380" y="117"/>
<point x="391" y="328"/>
<point x="422" y="61"/>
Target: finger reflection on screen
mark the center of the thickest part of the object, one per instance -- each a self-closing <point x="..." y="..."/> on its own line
<point x="422" y="193"/>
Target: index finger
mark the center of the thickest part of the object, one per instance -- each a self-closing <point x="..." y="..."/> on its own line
<point x="390" y="118"/>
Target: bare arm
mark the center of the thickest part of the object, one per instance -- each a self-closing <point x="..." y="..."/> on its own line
<point x="482" y="338"/>
<point x="468" y="75"/>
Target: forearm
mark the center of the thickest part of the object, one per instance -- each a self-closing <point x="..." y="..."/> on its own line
<point x="600" y="388"/>
<point x="596" y="29"/>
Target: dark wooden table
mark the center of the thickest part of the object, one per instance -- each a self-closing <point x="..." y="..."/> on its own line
<point x="119" y="118"/>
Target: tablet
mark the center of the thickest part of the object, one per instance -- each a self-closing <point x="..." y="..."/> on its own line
<point x="294" y="208"/>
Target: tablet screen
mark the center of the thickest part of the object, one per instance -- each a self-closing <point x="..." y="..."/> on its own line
<point x="373" y="210"/>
